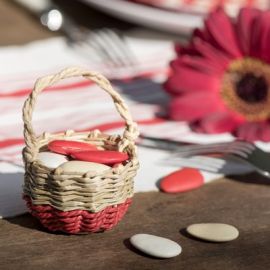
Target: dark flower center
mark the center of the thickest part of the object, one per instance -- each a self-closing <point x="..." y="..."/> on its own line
<point x="246" y="88"/>
<point x="251" y="88"/>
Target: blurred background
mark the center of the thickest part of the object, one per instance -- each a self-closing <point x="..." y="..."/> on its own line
<point x="171" y="82"/>
<point x="130" y="42"/>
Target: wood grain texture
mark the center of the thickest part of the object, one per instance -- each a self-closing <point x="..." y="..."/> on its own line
<point x="18" y="26"/>
<point x="244" y="203"/>
<point x="24" y="244"/>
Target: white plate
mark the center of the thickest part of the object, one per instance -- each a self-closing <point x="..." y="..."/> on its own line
<point x="169" y="21"/>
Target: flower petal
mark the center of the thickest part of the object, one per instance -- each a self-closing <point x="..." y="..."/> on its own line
<point x="218" y="122"/>
<point x="217" y="57"/>
<point x="222" y="32"/>
<point x="254" y="131"/>
<point x="190" y="107"/>
<point x="189" y="49"/>
<point x="185" y="50"/>
<point x="244" y="28"/>
<point x="260" y="37"/>
<point x="201" y="64"/>
<point x="201" y="46"/>
<point x="187" y="79"/>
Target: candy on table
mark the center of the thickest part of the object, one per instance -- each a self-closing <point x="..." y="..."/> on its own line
<point x="104" y="157"/>
<point x="75" y="166"/>
<point x="182" y="180"/>
<point x="51" y="160"/>
<point x="214" y="232"/>
<point x="155" y="246"/>
<point x="68" y="147"/>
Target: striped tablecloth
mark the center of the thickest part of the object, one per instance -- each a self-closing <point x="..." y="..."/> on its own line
<point x="80" y="105"/>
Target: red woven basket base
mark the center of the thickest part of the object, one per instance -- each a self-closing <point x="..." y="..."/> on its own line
<point x="77" y="221"/>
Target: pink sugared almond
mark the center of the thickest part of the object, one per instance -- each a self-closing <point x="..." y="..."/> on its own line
<point x="104" y="157"/>
<point x="182" y="180"/>
<point x="69" y="147"/>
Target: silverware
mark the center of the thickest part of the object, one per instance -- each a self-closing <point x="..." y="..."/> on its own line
<point x="159" y="143"/>
<point x="108" y="45"/>
<point x="226" y="165"/>
<point x="245" y="151"/>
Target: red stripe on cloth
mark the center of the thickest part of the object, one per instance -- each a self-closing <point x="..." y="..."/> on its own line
<point x="10" y="142"/>
<point x="118" y="124"/>
<point x="71" y="86"/>
<point x="24" y="92"/>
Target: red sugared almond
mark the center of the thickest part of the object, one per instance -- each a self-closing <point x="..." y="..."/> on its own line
<point x="182" y="180"/>
<point x="69" y="147"/>
<point x="104" y="157"/>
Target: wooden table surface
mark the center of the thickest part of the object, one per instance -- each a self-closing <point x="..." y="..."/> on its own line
<point x="243" y="202"/>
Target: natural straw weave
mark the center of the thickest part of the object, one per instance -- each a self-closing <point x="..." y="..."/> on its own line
<point x="73" y="191"/>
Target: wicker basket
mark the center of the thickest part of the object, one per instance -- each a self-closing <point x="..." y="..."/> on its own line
<point x="76" y="202"/>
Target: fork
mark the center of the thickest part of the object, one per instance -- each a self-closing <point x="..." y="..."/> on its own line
<point x="246" y="151"/>
<point x="107" y="43"/>
<point x="226" y="165"/>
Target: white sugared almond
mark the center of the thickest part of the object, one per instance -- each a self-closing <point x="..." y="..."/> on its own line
<point x="51" y="160"/>
<point x="83" y="167"/>
<point x="215" y="232"/>
<point x="156" y="246"/>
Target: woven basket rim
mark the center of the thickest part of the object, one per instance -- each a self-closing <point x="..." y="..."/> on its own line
<point x="69" y="136"/>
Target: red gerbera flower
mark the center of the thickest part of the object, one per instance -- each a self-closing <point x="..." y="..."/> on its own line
<point x="220" y="81"/>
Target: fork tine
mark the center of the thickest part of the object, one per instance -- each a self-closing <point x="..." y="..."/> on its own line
<point x="89" y="50"/>
<point x="222" y="165"/>
<point x="239" y="152"/>
<point x="199" y="162"/>
<point x="95" y="54"/>
<point x="107" y="37"/>
<point x="202" y="147"/>
<point x="197" y="165"/>
<point x="249" y="153"/>
<point x="219" y="147"/>
<point x="196" y="150"/>
<point x="97" y="41"/>
<point x="207" y="161"/>
<point x="120" y="47"/>
<point x="184" y="150"/>
<point x="238" y="148"/>
<point x="125" y="48"/>
<point x="109" y="47"/>
<point x="236" y="152"/>
<point x="89" y="40"/>
<point x="244" y="145"/>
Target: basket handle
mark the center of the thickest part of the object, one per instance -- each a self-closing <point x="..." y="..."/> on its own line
<point x="130" y="132"/>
